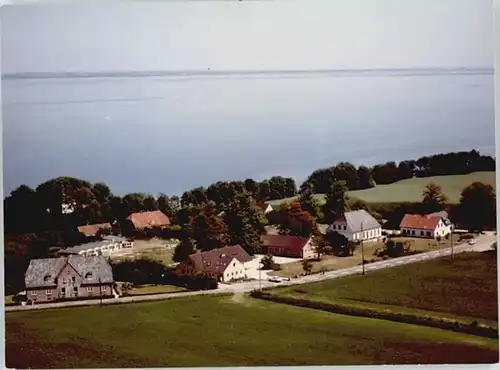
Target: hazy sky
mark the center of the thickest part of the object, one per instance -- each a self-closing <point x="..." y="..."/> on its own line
<point x="307" y="34"/>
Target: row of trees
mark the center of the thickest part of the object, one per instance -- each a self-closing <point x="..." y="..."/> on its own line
<point x="456" y="163"/>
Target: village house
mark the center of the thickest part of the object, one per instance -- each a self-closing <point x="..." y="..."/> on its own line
<point x="223" y="264"/>
<point x="357" y="225"/>
<point x="444" y="217"/>
<point x="70" y="277"/>
<point x="93" y="230"/>
<point x="150" y="219"/>
<point x="287" y="246"/>
<point x="425" y="226"/>
<point x="104" y="247"/>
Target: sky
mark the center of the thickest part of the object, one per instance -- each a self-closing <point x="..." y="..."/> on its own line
<point x="137" y="35"/>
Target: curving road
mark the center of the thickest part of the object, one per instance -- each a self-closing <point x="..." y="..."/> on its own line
<point x="483" y="243"/>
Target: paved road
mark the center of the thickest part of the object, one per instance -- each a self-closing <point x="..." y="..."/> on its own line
<point x="483" y="243"/>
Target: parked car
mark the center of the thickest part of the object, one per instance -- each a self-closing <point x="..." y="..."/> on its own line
<point x="274" y="279"/>
<point x="471" y="241"/>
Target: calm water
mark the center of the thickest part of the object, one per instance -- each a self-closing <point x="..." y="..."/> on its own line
<point x="171" y="133"/>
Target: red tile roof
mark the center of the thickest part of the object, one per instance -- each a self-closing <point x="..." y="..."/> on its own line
<point x="142" y="220"/>
<point x="217" y="260"/>
<point x="91" y="230"/>
<point x="419" y="222"/>
<point x="292" y="243"/>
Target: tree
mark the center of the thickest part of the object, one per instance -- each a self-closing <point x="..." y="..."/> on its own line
<point x="294" y="221"/>
<point x="337" y="242"/>
<point x="346" y="171"/>
<point x="167" y="205"/>
<point x="245" y="222"/>
<point x="252" y="187"/>
<point x="267" y="262"/>
<point x="307" y="266"/>
<point x="360" y="204"/>
<point x="478" y="206"/>
<point x="183" y="250"/>
<point x="320" y="244"/>
<point x="307" y="201"/>
<point x="264" y="191"/>
<point x="207" y="229"/>
<point x="365" y="179"/>
<point x="433" y="198"/>
<point x="336" y="202"/>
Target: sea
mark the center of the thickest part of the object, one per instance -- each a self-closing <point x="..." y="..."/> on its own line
<point x="171" y="131"/>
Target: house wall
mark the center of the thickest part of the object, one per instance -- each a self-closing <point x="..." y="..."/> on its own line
<point x="365" y="235"/>
<point x="308" y="251"/>
<point x="284" y="252"/>
<point x="235" y="270"/>
<point x="441" y="231"/>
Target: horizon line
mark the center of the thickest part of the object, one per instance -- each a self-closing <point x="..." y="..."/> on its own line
<point x="209" y="71"/>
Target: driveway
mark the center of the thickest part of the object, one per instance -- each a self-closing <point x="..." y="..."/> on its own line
<point x="252" y="267"/>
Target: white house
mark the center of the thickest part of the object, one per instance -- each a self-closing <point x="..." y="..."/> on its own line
<point x="223" y="264"/>
<point x="425" y="226"/>
<point x="357" y="226"/>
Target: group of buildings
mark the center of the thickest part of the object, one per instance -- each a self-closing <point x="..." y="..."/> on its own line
<point x="82" y="270"/>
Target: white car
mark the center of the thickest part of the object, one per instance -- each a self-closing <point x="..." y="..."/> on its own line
<point x="471" y="242"/>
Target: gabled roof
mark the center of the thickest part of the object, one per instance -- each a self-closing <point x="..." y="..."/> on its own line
<point x="43" y="272"/>
<point x="142" y="220"/>
<point x="419" y="222"/>
<point x="264" y="206"/>
<point x="91" y="230"/>
<point x="291" y="243"/>
<point x="217" y="260"/>
<point x="443" y="215"/>
<point x="359" y="220"/>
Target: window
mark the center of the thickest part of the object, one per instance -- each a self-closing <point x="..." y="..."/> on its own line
<point x="103" y="288"/>
<point x="345" y="227"/>
<point x="46" y="278"/>
<point x="48" y="291"/>
<point x="64" y="280"/>
<point x="88" y="275"/>
<point x="75" y="289"/>
<point x="73" y="279"/>
<point x="33" y="292"/>
<point x="413" y="232"/>
<point x="428" y="233"/>
<point x="421" y="233"/>
<point x="89" y="289"/>
<point x="234" y="264"/>
<point x="63" y="290"/>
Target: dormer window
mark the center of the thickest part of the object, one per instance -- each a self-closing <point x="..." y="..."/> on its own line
<point x="46" y="278"/>
<point x="88" y="275"/>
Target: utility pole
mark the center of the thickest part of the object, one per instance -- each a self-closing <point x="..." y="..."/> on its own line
<point x="451" y="239"/>
<point x="362" y="249"/>
<point x="260" y="279"/>
<point x="100" y="290"/>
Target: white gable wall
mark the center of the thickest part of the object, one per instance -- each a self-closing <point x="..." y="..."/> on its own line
<point x="235" y="270"/>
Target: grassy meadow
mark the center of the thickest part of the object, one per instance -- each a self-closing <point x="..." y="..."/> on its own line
<point x="410" y="190"/>
<point x="461" y="289"/>
<point x="225" y="331"/>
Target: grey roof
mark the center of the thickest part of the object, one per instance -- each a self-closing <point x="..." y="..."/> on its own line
<point x="360" y="219"/>
<point x="82" y="247"/>
<point x="43" y="272"/>
<point x="443" y="215"/>
<point x="114" y="238"/>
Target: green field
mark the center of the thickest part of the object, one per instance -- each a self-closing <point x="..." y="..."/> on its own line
<point x="463" y="289"/>
<point x="411" y="190"/>
<point x="225" y="331"/>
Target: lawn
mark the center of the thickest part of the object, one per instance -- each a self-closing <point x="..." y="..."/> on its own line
<point x="328" y="263"/>
<point x="160" y="250"/>
<point x="154" y="289"/>
<point x="225" y="331"/>
<point x="464" y="288"/>
<point x="411" y="190"/>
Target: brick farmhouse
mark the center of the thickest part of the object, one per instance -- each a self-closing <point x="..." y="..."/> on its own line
<point x="69" y="277"/>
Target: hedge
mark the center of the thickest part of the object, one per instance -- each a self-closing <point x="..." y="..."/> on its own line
<point x="473" y="328"/>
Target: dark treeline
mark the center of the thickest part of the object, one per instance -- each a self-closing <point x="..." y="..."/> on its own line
<point x="456" y="163"/>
